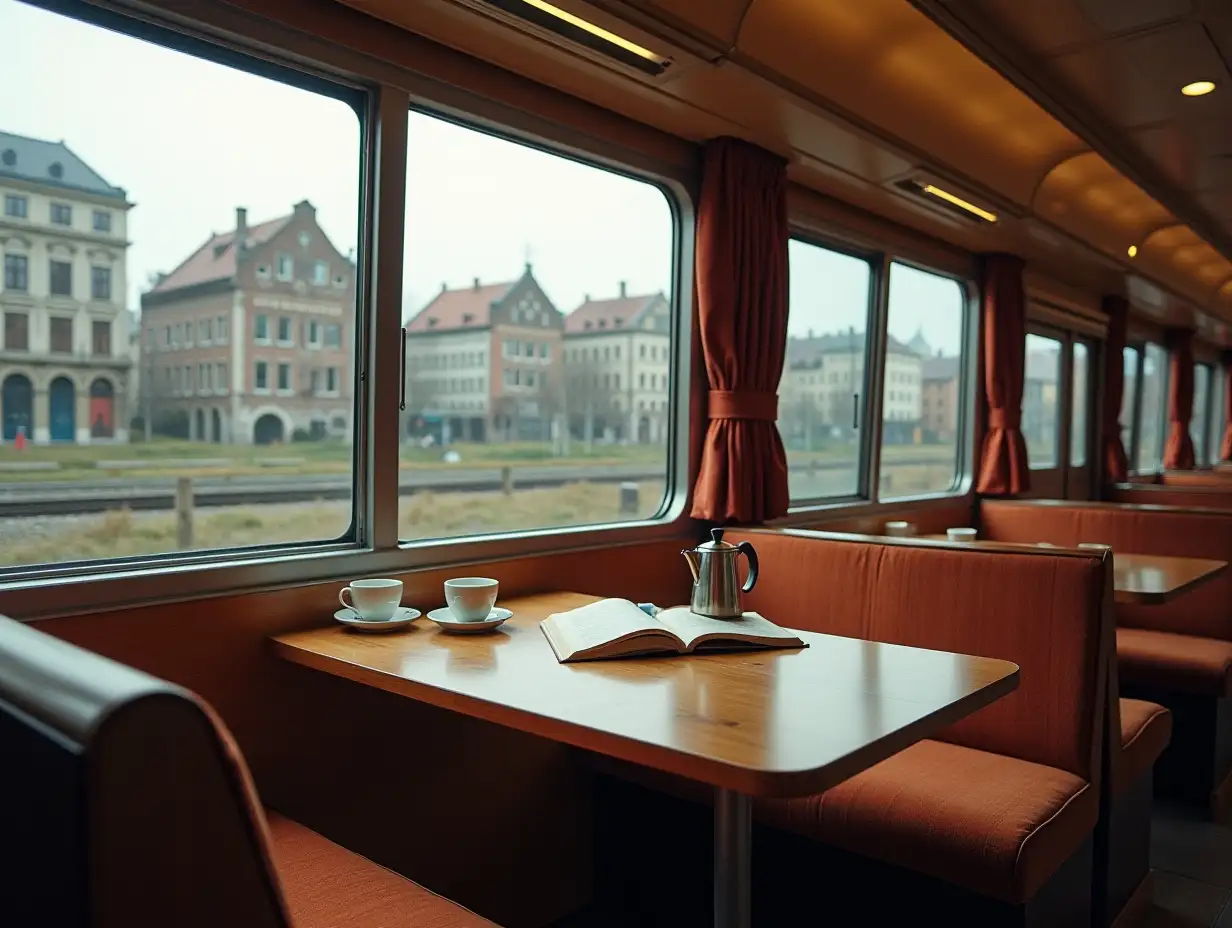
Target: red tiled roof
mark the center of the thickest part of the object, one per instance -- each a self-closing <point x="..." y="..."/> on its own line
<point x="215" y="260"/>
<point x="602" y="315"/>
<point x="451" y="307"/>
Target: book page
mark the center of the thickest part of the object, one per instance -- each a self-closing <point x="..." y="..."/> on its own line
<point x="750" y="628"/>
<point x="590" y="627"/>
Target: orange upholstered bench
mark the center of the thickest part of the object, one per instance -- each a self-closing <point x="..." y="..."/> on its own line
<point x="999" y="811"/>
<point x="137" y="810"/>
<point x="1186" y="494"/>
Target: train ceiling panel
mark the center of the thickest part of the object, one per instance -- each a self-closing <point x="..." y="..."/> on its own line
<point x="717" y="19"/>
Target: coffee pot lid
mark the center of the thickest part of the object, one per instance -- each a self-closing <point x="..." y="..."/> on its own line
<point x="716" y="542"/>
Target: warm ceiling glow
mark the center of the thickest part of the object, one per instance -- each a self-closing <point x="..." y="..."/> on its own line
<point x="1198" y="88"/>
<point x="595" y="30"/>
<point x="1133" y="251"/>
<point x="959" y="202"/>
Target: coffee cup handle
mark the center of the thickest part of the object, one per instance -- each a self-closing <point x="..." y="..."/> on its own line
<point x="342" y="598"/>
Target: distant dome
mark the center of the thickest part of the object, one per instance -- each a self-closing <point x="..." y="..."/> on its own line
<point x="919" y="344"/>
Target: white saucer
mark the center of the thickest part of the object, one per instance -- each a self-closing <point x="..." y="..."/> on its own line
<point x="446" y="620"/>
<point x="401" y="619"/>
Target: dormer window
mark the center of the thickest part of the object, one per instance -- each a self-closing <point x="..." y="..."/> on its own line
<point x="9" y="158"/>
<point x="588" y="324"/>
<point x="468" y="318"/>
<point x="56" y="170"/>
<point x="603" y="323"/>
<point x="432" y="321"/>
<point x="618" y="322"/>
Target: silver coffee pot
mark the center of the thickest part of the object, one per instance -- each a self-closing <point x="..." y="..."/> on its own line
<point x="716" y="583"/>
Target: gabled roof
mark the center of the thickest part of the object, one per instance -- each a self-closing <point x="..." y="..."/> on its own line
<point x="463" y="308"/>
<point x="52" y="164"/>
<point x="215" y="260"/>
<point x="606" y="315"/>
<point x="804" y="351"/>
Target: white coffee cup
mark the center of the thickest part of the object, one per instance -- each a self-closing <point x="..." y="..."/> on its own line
<point x="1094" y="545"/>
<point x="899" y="529"/>
<point x="960" y="534"/>
<point x="470" y="599"/>
<point x="375" y="599"/>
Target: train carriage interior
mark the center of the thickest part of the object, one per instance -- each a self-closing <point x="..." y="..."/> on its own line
<point x="611" y="463"/>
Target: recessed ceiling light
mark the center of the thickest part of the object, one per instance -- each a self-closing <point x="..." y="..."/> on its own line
<point x="1133" y="251"/>
<point x="1198" y="88"/>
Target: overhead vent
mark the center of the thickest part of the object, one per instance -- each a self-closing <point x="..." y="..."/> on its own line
<point x="589" y="38"/>
<point x="946" y="200"/>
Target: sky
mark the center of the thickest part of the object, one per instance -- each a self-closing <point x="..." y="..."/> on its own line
<point x="190" y="140"/>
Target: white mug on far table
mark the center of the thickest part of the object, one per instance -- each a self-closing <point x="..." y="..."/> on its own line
<point x="470" y="599"/>
<point x="960" y="534"/>
<point x="374" y="600"/>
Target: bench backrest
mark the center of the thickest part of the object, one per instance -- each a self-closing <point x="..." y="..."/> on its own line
<point x="1185" y="495"/>
<point x="1205" y="611"/>
<point x="125" y="799"/>
<point x="1044" y="610"/>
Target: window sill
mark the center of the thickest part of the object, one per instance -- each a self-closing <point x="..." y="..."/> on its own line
<point x="286" y="392"/>
<point x="257" y="340"/>
<point x="260" y="391"/>
<point x="285" y="344"/>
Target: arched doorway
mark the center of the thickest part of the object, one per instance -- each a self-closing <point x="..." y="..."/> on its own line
<point x="643" y="430"/>
<point x="199" y="421"/>
<point x="102" y="409"/>
<point x="268" y="430"/>
<point x="216" y="427"/>
<point x="17" y="406"/>
<point x="63" y="396"/>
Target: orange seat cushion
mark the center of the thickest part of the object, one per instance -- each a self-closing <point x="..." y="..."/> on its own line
<point x="995" y="825"/>
<point x="1175" y="662"/>
<point x="1146" y="729"/>
<point x="327" y="886"/>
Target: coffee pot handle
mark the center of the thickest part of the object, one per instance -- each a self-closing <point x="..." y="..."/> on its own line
<point x="751" y="554"/>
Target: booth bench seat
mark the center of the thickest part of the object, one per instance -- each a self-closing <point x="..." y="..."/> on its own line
<point x="1169" y="661"/>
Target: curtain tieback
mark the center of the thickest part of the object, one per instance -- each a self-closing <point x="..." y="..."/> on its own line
<point x="743" y="404"/>
<point x="1005" y="419"/>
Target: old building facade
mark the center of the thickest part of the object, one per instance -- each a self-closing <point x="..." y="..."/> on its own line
<point x="251" y="338"/>
<point x="64" y="358"/>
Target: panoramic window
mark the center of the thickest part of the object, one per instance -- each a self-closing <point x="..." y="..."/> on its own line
<point x="494" y="400"/>
<point x="1041" y="424"/>
<point x="822" y="395"/>
<point x="1152" y="410"/>
<point x="1215" y="425"/>
<point x="922" y="407"/>
<point x="1130" y="359"/>
<point x="1201" y="409"/>
<point x="1079" y="398"/>
<point x="173" y="192"/>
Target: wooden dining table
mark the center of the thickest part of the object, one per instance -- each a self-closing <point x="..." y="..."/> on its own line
<point x="1145" y="579"/>
<point x="749" y="724"/>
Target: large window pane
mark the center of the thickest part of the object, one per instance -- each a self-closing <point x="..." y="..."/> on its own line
<point x="1041" y="392"/>
<point x="1216" y="425"/>
<point x="1201" y="404"/>
<point x="923" y="399"/>
<point x="1080" y="398"/>
<point x="539" y="359"/>
<point x="1151" y="415"/>
<point x="203" y="170"/>
<point x="1129" y="356"/>
<point x="821" y="396"/>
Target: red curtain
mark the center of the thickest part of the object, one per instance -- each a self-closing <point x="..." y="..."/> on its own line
<point x="741" y="272"/>
<point x="1179" y="451"/>
<point x="1225" y="446"/>
<point x="1003" y="464"/>
<point x="1116" y="465"/>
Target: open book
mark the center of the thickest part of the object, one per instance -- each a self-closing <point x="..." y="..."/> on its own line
<point x="617" y="628"/>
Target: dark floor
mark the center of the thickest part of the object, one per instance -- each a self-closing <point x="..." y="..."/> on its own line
<point x="1192" y="858"/>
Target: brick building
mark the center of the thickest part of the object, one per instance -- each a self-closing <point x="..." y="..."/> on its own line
<point x="251" y="338"/>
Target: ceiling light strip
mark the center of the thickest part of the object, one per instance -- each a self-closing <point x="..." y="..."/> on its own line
<point x="959" y="202"/>
<point x="597" y="31"/>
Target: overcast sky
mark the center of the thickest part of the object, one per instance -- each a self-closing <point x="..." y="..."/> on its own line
<point x="191" y="140"/>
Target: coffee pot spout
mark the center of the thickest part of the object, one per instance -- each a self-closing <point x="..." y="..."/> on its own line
<point x="694" y="562"/>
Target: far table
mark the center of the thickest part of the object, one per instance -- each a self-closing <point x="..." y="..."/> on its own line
<point x="750" y="724"/>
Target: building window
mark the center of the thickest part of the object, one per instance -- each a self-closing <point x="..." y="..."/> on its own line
<point x="16" y="332"/>
<point x="16" y="207"/>
<point x="921" y="452"/>
<point x="100" y="283"/>
<point x="320" y="273"/>
<point x="1201" y="409"/>
<point x="61" y="278"/>
<point x="331" y="380"/>
<point x="17" y="273"/>
<point x="189" y="329"/>
<point x="220" y="330"/>
<point x="284" y="330"/>
<point x="286" y="267"/>
<point x="100" y="338"/>
<point x="102" y="221"/>
<point x="206" y="333"/>
<point x="314" y="382"/>
<point x="333" y="336"/>
<point x="314" y="334"/>
<point x="260" y="381"/>
<point x="1041" y="396"/>
<point x="284" y="378"/>
<point x="1152" y="410"/>
<point x="61" y="335"/>
<point x="260" y="327"/>
<point x="61" y="214"/>
<point x="220" y="378"/>
<point x="1080" y="390"/>
<point x="830" y="299"/>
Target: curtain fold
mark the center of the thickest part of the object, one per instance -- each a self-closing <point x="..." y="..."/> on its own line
<point x="1116" y="464"/>
<point x="741" y="273"/>
<point x="1179" y="451"/>
<point x="1003" y="461"/>
<point x="1225" y="446"/>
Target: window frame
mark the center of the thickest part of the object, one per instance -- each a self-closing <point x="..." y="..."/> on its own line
<point x="1141" y="345"/>
<point x="1201" y="451"/>
<point x="382" y="94"/>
